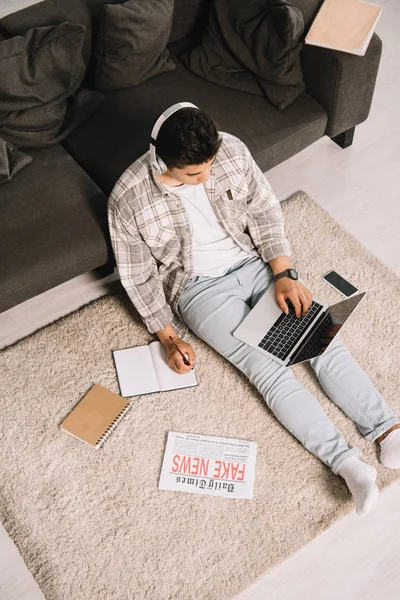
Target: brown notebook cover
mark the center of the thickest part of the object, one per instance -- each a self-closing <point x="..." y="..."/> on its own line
<point x="345" y="25"/>
<point x="96" y="416"/>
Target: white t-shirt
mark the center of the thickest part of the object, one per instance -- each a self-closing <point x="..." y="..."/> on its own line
<point x="214" y="251"/>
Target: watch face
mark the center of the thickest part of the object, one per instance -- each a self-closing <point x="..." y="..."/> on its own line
<point x="293" y="274"/>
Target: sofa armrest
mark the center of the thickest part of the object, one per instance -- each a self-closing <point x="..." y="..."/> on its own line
<point x="342" y="83"/>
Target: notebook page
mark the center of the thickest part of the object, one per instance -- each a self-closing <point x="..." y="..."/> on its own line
<point x="167" y="378"/>
<point x="89" y="420"/>
<point x="368" y="38"/>
<point x="135" y="371"/>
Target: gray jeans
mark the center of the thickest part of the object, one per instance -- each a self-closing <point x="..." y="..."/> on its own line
<point x="213" y="307"/>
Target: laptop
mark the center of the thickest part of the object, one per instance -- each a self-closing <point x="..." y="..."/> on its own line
<point x="290" y="340"/>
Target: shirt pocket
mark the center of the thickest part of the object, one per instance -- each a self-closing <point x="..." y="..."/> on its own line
<point x="159" y="235"/>
<point x="155" y="225"/>
<point x="236" y="206"/>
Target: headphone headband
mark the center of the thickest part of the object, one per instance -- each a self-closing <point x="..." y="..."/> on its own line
<point x="167" y="113"/>
<point x="157" y="164"/>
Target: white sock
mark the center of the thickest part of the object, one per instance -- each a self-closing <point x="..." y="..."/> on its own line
<point x="390" y="450"/>
<point x="360" y="479"/>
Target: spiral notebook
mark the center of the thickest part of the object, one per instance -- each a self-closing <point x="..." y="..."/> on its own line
<point x="96" y="416"/>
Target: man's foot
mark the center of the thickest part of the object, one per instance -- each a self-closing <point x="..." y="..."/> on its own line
<point x="360" y="479"/>
<point x="390" y="447"/>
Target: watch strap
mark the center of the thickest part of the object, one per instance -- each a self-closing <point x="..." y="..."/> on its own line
<point x="280" y="275"/>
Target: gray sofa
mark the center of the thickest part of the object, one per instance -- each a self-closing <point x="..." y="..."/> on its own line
<point x="53" y="223"/>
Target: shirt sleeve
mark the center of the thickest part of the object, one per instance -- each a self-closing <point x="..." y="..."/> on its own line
<point x="264" y="214"/>
<point x="138" y="271"/>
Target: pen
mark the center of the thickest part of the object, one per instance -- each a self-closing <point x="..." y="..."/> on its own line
<point x="185" y="360"/>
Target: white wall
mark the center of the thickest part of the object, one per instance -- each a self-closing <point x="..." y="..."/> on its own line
<point x="9" y="6"/>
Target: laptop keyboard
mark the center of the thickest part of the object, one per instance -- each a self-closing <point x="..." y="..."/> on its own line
<point x="286" y="331"/>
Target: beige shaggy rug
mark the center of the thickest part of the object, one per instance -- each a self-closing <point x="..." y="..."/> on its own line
<point x="93" y="524"/>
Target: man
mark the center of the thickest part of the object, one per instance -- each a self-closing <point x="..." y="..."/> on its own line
<point x="198" y="236"/>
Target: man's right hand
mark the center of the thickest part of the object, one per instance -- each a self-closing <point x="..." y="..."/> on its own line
<point x="174" y="358"/>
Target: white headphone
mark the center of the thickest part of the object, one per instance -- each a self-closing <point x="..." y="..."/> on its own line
<point x="156" y="163"/>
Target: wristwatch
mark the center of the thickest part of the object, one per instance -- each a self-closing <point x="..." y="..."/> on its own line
<point x="291" y="273"/>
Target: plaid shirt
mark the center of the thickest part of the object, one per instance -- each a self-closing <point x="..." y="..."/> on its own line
<point x="151" y="235"/>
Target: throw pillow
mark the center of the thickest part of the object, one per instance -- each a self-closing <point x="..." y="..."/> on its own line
<point x="132" y="43"/>
<point x="51" y="13"/>
<point x="11" y="161"/>
<point x="252" y="46"/>
<point x="38" y="73"/>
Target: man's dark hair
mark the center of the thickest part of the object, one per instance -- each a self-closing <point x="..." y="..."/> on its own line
<point x="188" y="137"/>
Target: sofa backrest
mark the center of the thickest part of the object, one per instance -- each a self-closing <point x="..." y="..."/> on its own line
<point x="188" y="15"/>
<point x="54" y="12"/>
<point x="308" y="8"/>
<point x="189" y="18"/>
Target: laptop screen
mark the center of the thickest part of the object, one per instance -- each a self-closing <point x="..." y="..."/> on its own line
<point x="326" y="329"/>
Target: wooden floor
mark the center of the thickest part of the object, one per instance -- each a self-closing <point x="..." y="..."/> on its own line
<point x="358" y="557"/>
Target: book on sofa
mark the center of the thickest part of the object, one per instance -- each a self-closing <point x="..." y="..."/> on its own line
<point x="345" y="25"/>
<point x="144" y="370"/>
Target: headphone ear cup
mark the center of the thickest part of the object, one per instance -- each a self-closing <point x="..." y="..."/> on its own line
<point x="162" y="166"/>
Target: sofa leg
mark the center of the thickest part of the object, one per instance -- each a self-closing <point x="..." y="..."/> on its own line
<point x="345" y="139"/>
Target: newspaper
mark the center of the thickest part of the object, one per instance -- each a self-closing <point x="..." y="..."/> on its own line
<point x="200" y="464"/>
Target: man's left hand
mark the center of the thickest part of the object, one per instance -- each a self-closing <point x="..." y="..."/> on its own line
<point x="300" y="296"/>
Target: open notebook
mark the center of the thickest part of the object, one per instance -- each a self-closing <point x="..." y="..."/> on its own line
<point x="144" y="370"/>
<point x="345" y="25"/>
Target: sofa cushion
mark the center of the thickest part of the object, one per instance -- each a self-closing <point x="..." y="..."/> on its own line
<point x="119" y="132"/>
<point x="131" y="45"/>
<point x="254" y="48"/>
<point x="52" y="12"/>
<point x="38" y="72"/>
<point x="11" y="161"/>
<point x="53" y="226"/>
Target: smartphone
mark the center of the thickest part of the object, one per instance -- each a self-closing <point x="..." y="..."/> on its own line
<point x="340" y="283"/>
